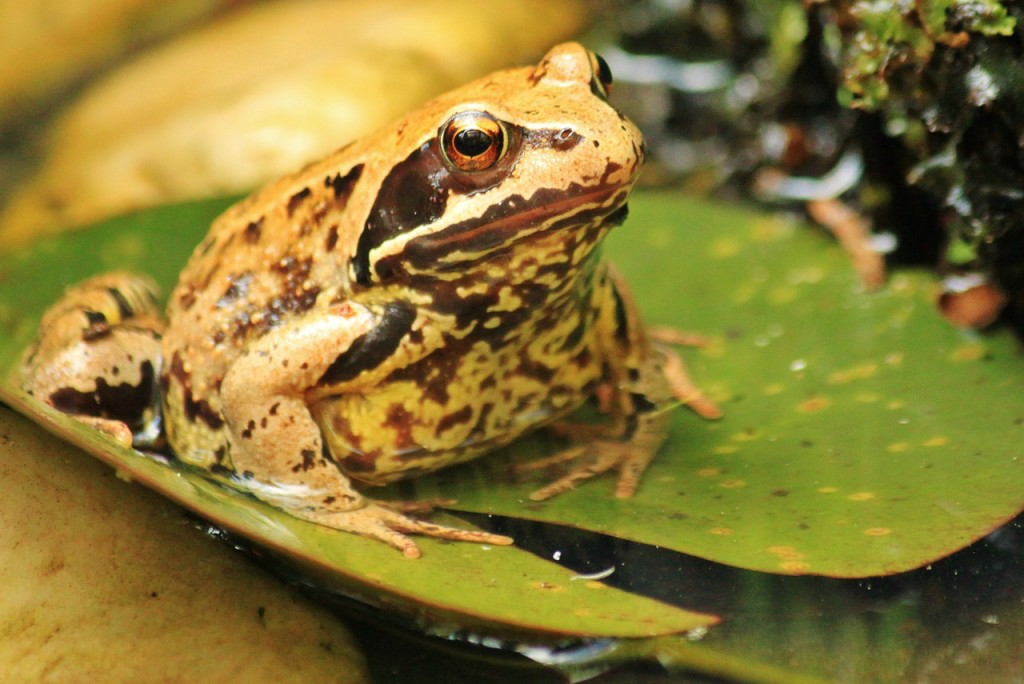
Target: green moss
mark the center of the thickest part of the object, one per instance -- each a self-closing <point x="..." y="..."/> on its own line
<point x="890" y="37"/>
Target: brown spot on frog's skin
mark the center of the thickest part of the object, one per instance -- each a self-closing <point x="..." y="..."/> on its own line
<point x="308" y="461"/>
<point x="238" y="286"/>
<point x="187" y="299"/>
<point x="252" y="232"/>
<point x="463" y="415"/>
<point x="194" y="410"/>
<point x="296" y="200"/>
<point x="125" y="402"/>
<point x="355" y="462"/>
<point x="401" y="421"/>
<point x="535" y="369"/>
<point x="295" y="294"/>
<point x="433" y="374"/>
<point x="202" y="410"/>
<point x="332" y="239"/>
<point x="343" y="185"/>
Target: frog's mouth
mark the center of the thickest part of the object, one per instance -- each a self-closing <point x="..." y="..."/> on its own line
<point x="517" y="219"/>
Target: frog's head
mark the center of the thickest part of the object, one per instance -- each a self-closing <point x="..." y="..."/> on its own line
<point x="530" y="160"/>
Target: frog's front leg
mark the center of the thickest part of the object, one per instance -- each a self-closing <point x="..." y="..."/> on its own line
<point x="276" y="443"/>
<point x="97" y="357"/>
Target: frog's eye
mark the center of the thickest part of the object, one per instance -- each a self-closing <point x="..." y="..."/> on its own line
<point x="473" y="141"/>
<point x="602" y="83"/>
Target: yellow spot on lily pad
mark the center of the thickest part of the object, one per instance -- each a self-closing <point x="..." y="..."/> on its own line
<point x="814" y="404"/>
<point x="709" y="472"/>
<point x="773" y="389"/>
<point x="877" y="531"/>
<point x="783" y="294"/>
<point x="894" y="359"/>
<point x="786" y="553"/>
<point x="897" y="447"/>
<point x="745" y="292"/>
<point x="861" y="496"/>
<point x="968" y="352"/>
<point x="732" y="484"/>
<point x="129" y="248"/>
<point x="770" y="228"/>
<point x="859" y="372"/>
<point x="748" y="435"/>
<point x="895" y="404"/>
<point x="809" y="274"/>
<point x="714" y="348"/>
<point x="722" y="531"/>
<point x="827" y="490"/>
<point x="724" y="248"/>
<point x="659" y="237"/>
<point x="794" y="567"/>
<point x="935" y="442"/>
<point x="726" y="449"/>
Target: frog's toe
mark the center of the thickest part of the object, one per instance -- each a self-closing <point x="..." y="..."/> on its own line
<point x="121" y="433"/>
<point x="422" y="507"/>
<point x="416" y="526"/>
<point x="392" y="527"/>
<point x="596" y="459"/>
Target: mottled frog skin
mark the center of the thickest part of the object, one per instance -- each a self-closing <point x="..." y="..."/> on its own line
<point x="415" y="299"/>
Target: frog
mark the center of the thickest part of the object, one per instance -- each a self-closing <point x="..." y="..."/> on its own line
<point x="418" y="298"/>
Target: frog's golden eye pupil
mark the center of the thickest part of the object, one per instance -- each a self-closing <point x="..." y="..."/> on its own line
<point x="473" y="141"/>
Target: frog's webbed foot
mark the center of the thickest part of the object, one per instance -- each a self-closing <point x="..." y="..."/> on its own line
<point x="380" y="521"/>
<point x="628" y="454"/>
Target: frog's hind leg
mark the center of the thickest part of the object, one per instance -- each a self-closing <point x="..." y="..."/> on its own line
<point x="97" y="357"/>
